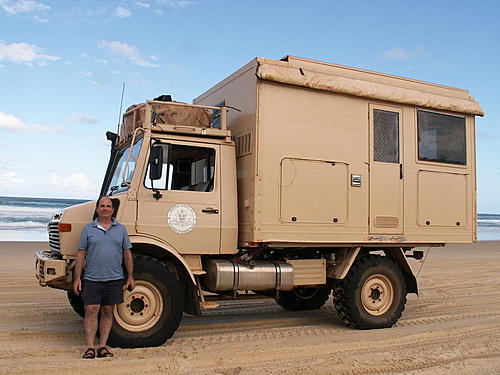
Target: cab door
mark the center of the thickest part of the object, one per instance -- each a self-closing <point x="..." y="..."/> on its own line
<point x="386" y="170"/>
<point x="182" y="208"/>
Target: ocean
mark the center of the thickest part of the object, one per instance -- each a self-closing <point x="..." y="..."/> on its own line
<point x="25" y="219"/>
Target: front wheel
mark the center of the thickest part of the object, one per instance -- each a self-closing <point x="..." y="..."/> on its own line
<point x="372" y="295"/>
<point x="76" y="303"/>
<point x="151" y="313"/>
<point x="300" y="298"/>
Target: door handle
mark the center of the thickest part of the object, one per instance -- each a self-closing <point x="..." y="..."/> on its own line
<point x="209" y="210"/>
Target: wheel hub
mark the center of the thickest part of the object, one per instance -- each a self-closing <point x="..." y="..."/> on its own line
<point x="137" y="305"/>
<point x="377" y="294"/>
<point x="141" y="309"/>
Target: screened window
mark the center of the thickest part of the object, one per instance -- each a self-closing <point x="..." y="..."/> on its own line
<point x="185" y="168"/>
<point x="441" y="138"/>
<point x="385" y="136"/>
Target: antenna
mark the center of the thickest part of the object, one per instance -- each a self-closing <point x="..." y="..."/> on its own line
<point x="121" y="106"/>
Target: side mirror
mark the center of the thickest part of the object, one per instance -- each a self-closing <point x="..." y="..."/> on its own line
<point x="155" y="162"/>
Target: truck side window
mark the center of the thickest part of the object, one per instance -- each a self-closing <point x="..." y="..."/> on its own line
<point x="441" y="138"/>
<point x="185" y="168"/>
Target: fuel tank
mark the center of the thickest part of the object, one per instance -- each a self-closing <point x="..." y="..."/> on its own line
<point x="225" y="275"/>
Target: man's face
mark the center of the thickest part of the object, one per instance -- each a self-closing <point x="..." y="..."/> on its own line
<point x="104" y="208"/>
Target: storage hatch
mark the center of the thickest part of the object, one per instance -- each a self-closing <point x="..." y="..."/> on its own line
<point x="313" y="191"/>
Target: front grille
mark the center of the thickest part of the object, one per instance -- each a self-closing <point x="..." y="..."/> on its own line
<point x="41" y="269"/>
<point x="54" y="239"/>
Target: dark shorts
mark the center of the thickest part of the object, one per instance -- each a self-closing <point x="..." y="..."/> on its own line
<point x="102" y="292"/>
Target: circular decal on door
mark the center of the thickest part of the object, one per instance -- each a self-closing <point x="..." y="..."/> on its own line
<point x="181" y="218"/>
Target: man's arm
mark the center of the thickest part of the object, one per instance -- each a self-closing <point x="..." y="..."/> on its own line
<point x="80" y="260"/>
<point x="129" y="265"/>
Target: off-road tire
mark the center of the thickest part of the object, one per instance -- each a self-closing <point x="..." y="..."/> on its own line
<point x="300" y="299"/>
<point x="76" y="303"/>
<point x="150" y="313"/>
<point x="372" y="295"/>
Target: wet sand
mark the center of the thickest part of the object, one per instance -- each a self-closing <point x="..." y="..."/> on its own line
<point x="453" y="327"/>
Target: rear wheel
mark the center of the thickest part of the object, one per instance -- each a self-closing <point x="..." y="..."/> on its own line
<point x="151" y="313"/>
<point x="301" y="298"/>
<point x="372" y="295"/>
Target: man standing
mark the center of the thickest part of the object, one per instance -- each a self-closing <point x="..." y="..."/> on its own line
<point x="103" y="245"/>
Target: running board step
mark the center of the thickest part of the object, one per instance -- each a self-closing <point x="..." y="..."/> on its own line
<point x="209" y="305"/>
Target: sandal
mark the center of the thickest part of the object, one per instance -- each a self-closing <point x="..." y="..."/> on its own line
<point x="89" y="353"/>
<point x="104" y="353"/>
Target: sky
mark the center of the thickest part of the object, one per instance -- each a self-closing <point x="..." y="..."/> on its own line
<point x="63" y="64"/>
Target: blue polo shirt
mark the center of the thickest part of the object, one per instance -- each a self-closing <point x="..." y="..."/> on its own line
<point x="104" y="248"/>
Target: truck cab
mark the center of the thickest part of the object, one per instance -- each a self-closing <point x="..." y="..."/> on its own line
<point x="167" y="171"/>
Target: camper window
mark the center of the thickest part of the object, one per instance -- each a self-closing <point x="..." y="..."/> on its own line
<point x="441" y="138"/>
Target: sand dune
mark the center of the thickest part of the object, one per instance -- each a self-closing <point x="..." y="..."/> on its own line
<point x="452" y="328"/>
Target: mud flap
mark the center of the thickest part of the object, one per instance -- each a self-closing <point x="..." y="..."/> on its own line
<point x="397" y="255"/>
<point x="192" y="300"/>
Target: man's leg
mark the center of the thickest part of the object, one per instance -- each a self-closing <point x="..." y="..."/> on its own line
<point x="105" y="324"/>
<point x="113" y="294"/>
<point x="90" y="323"/>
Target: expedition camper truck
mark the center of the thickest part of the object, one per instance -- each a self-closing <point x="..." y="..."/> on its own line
<point x="291" y="179"/>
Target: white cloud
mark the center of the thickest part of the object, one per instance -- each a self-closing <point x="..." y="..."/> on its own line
<point x="122" y="13"/>
<point x="142" y="4"/>
<point x="73" y="179"/>
<point x="128" y="51"/>
<point x="100" y="61"/>
<point x="177" y="4"/>
<point x="24" y="53"/>
<point x="40" y="19"/>
<point x="10" y="178"/>
<point x="23" y="6"/>
<point x="398" y="53"/>
<point x="79" y="183"/>
<point x="82" y="119"/>
<point x="97" y="84"/>
<point x="12" y="123"/>
<point x="96" y="11"/>
<point x="443" y="65"/>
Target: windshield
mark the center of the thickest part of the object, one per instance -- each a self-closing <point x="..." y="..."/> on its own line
<point x="123" y="168"/>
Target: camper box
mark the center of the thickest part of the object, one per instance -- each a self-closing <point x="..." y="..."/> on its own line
<point x="332" y="154"/>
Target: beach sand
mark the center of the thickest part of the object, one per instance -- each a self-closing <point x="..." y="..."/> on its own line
<point x="453" y="327"/>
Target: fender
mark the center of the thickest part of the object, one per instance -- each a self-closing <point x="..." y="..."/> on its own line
<point x="343" y="262"/>
<point x="136" y="239"/>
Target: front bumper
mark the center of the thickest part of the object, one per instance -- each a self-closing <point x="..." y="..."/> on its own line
<point x="50" y="268"/>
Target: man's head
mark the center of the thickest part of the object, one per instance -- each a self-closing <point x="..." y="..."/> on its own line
<point x="104" y="208"/>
